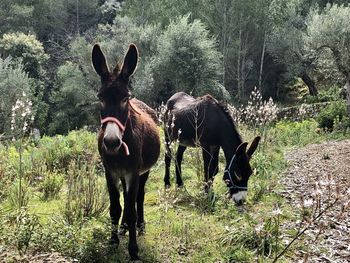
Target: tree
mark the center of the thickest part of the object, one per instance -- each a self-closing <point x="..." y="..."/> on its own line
<point x="13" y="82"/>
<point x="329" y="29"/>
<point x="15" y="15"/>
<point x="287" y="46"/>
<point x="26" y="50"/>
<point x="187" y="60"/>
<point x="73" y="101"/>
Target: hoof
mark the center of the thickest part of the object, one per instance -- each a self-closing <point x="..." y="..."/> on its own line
<point x="123" y="229"/>
<point x="141" y="228"/>
<point x="114" y="240"/>
<point x="167" y="185"/>
<point x="180" y="186"/>
<point x="134" y="257"/>
<point x="133" y="252"/>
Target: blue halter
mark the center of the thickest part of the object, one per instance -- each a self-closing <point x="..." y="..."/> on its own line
<point x="233" y="186"/>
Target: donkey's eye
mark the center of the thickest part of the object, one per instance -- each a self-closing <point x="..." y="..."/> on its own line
<point x="125" y="100"/>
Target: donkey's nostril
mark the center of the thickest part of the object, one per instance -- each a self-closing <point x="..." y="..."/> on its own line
<point x="111" y="143"/>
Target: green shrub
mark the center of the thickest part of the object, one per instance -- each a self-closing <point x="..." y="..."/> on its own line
<point x="19" y="193"/>
<point x="57" y="235"/>
<point x="331" y="113"/>
<point x="51" y="185"/>
<point x="86" y="192"/>
<point x="287" y="133"/>
<point x="26" y="225"/>
<point x="331" y="94"/>
<point x="59" y="151"/>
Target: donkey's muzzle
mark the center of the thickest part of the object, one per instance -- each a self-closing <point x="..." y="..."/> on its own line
<point x="239" y="197"/>
<point x="112" y="144"/>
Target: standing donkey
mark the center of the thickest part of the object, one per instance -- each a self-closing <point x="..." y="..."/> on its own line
<point x="128" y="143"/>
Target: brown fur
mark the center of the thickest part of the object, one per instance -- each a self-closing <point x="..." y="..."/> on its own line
<point x="141" y="135"/>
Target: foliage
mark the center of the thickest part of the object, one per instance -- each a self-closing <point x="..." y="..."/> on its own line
<point x="73" y="100"/>
<point x="187" y="60"/>
<point x="28" y="48"/>
<point x="325" y="95"/>
<point x="295" y="133"/>
<point x="13" y="82"/>
<point x="335" y="112"/>
<point x="329" y="28"/>
<point x="74" y="224"/>
<point x="19" y="193"/>
<point x="26" y="225"/>
<point x="51" y="185"/>
<point x="328" y="32"/>
<point x="16" y="15"/>
<point x="86" y="194"/>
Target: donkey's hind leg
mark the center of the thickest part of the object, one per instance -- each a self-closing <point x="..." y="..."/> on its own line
<point x="167" y="160"/>
<point x="179" y="156"/>
<point x="140" y="201"/>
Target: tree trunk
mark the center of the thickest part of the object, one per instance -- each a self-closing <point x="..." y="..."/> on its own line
<point x="239" y="63"/>
<point x="77" y="17"/>
<point x="347" y="88"/>
<point x="224" y="30"/>
<point x="262" y="63"/>
<point x="310" y="84"/>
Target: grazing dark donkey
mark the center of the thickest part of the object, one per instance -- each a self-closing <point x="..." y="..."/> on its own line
<point x="128" y="143"/>
<point x="206" y="123"/>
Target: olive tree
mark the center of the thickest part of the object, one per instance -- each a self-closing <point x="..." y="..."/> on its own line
<point x="187" y="60"/>
<point x="329" y="30"/>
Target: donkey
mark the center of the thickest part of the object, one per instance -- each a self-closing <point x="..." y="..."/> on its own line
<point x="207" y="123"/>
<point x="128" y="143"/>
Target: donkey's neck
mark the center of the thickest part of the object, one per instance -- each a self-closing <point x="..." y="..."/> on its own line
<point x="230" y="141"/>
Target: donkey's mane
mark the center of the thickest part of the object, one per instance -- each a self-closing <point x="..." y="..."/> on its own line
<point x="224" y="108"/>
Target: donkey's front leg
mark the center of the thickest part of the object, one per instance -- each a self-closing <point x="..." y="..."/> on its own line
<point x="210" y="161"/>
<point x="115" y="209"/>
<point x="132" y="187"/>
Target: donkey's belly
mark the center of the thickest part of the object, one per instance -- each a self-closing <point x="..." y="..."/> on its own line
<point x="150" y="150"/>
<point x="187" y="142"/>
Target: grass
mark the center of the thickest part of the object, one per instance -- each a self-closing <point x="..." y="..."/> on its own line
<point x="182" y="225"/>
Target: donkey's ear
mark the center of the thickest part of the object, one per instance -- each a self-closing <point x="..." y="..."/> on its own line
<point x="130" y="62"/>
<point x="241" y="148"/>
<point x="99" y="62"/>
<point x="253" y="146"/>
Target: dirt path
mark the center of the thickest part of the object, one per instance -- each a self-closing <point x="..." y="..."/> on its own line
<point x="52" y="257"/>
<point x="314" y="173"/>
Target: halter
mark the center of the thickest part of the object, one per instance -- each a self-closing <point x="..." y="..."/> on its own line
<point x="233" y="186"/>
<point x="121" y="126"/>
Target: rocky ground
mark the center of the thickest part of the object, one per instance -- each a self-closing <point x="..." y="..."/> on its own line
<point x="317" y="176"/>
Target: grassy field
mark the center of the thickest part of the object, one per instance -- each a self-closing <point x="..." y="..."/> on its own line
<point x="53" y="198"/>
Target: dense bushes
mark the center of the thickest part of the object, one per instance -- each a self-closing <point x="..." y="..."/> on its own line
<point x="45" y="162"/>
<point x="333" y="115"/>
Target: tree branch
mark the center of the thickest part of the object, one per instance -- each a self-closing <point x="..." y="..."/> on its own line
<point x="337" y="58"/>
